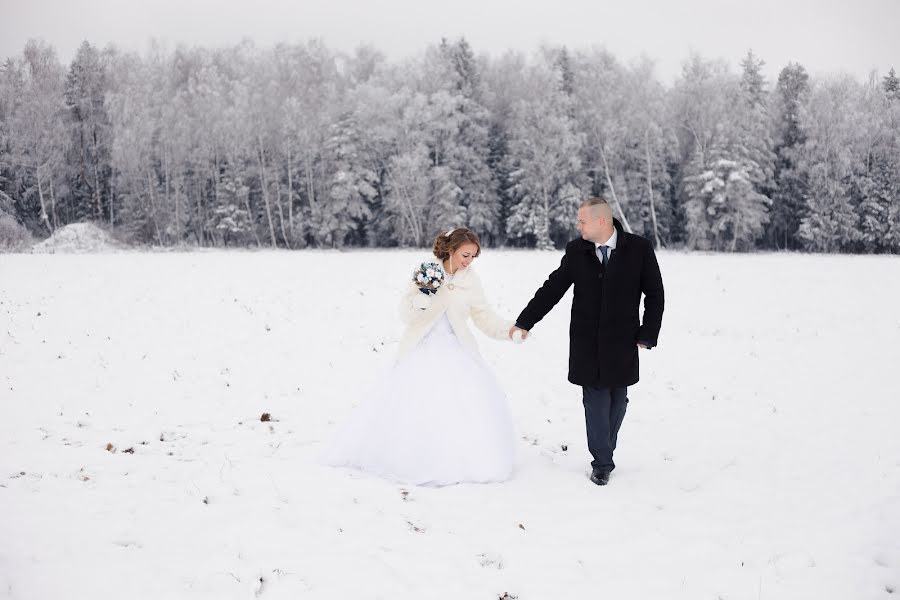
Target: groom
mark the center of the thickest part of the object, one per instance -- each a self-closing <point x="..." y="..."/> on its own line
<point x="610" y="270"/>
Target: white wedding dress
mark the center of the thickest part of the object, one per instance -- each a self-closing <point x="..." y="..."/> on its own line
<point x="436" y="417"/>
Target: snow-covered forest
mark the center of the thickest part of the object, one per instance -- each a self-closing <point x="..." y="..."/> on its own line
<point x="299" y="145"/>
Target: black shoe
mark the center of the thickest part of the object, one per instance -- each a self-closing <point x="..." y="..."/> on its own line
<point x="600" y="476"/>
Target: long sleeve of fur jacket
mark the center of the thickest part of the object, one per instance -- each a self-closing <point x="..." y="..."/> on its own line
<point x="484" y="316"/>
<point x="461" y="300"/>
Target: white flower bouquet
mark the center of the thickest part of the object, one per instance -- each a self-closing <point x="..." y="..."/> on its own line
<point x="429" y="277"/>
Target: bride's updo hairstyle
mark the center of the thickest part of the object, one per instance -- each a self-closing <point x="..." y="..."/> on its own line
<point x="449" y="241"/>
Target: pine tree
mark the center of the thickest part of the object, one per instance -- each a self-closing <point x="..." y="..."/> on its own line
<point x="544" y="149"/>
<point x="350" y="188"/>
<point x="11" y="85"/>
<point x="890" y="185"/>
<point x="879" y="195"/>
<point x="230" y="218"/>
<point x="566" y="72"/>
<point x="753" y="145"/>
<point x="791" y="181"/>
<point x="467" y="79"/>
<point x="732" y="189"/>
<point x="891" y="85"/>
<point x="86" y="86"/>
<point x="703" y="103"/>
<point x="498" y="163"/>
<point x="728" y="178"/>
<point x="725" y="212"/>
<point x="830" y="221"/>
<point x="463" y="189"/>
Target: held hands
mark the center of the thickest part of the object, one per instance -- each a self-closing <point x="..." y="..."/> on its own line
<point x="517" y="335"/>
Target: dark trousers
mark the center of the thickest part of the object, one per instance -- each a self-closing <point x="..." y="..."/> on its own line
<point x="604" y="410"/>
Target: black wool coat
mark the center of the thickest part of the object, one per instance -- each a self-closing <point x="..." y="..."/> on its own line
<point x="605" y="325"/>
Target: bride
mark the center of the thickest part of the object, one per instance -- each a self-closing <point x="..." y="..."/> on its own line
<point x="438" y="416"/>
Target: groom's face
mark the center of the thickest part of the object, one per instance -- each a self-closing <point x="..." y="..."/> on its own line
<point x="590" y="224"/>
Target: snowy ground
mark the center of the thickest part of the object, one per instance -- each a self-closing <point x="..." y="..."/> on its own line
<point x="759" y="459"/>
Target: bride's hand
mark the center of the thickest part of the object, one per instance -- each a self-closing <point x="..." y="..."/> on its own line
<point x="521" y="337"/>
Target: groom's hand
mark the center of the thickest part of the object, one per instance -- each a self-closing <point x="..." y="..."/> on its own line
<point x="514" y="329"/>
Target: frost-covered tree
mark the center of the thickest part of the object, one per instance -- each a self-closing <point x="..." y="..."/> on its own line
<point x="459" y="141"/>
<point x="406" y="202"/>
<point x="830" y="221"/>
<point x="879" y="229"/>
<point x="704" y="101"/>
<point x="309" y="88"/>
<point x="891" y="84"/>
<point x="629" y="144"/>
<point x="352" y="185"/>
<point x="32" y="155"/>
<point x="753" y="144"/>
<point x="546" y="177"/>
<point x="725" y="212"/>
<point x="299" y="145"/>
<point x="600" y="105"/>
<point x="729" y="176"/>
<point x="842" y="137"/>
<point x="791" y="181"/>
<point x="133" y="106"/>
<point x="86" y="86"/>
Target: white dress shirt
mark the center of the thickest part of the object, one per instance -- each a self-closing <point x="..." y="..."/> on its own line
<point x="610" y="246"/>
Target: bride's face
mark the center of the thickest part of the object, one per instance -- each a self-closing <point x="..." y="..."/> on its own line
<point x="463" y="256"/>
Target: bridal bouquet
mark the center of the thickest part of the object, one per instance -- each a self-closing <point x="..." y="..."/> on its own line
<point x="429" y="277"/>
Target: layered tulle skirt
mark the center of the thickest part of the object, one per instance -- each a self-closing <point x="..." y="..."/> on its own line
<point x="436" y="417"/>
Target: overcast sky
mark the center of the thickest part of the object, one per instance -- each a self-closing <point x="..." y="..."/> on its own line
<point x="826" y="36"/>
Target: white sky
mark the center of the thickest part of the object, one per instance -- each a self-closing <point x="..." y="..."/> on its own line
<point x="826" y="36"/>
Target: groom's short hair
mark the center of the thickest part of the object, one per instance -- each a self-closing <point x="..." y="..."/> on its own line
<point x="606" y="209"/>
<point x="595" y="201"/>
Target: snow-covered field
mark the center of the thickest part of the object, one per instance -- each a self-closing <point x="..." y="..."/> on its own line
<point x="760" y="457"/>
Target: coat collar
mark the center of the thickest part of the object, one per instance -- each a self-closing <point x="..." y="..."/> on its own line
<point x="461" y="277"/>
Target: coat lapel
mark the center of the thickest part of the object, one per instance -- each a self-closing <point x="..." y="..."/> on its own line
<point x="590" y="249"/>
<point x="615" y="258"/>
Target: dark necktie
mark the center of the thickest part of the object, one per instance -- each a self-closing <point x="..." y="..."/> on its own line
<point x="603" y="250"/>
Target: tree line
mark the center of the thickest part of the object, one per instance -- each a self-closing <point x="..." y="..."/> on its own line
<point x="300" y="146"/>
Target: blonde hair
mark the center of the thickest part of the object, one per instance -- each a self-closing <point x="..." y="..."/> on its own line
<point x="450" y="241"/>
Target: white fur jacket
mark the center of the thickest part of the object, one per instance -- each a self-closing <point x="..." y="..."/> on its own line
<point x="461" y="298"/>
